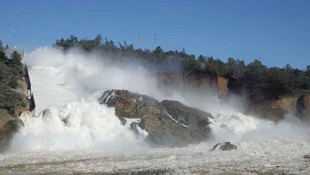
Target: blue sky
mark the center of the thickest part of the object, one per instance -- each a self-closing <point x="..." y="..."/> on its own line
<point x="275" y="31"/>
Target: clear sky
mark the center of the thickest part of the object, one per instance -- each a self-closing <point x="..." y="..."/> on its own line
<point x="276" y="31"/>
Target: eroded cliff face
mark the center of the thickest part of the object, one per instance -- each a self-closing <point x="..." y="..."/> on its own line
<point x="271" y="109"/>
<point x="297" y="105"/>
<point x="275" y="110"/>
<point x="196" y="81"/>
<point x="222" y="86"/>
<point x="303" y="108"/>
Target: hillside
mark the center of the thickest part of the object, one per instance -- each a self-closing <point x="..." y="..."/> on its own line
<point x="255" y="80"/>
<point x="14" y="97"/>
<point x="267" y="90"/>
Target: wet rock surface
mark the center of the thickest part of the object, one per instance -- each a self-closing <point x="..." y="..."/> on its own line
<point x="168" y="123"/>
<point x="225" y="146"/>
<point x="307" y="157"/>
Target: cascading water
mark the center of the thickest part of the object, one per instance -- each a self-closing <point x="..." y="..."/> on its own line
<point x="79" y="125"/>
<point x="77" y="134"/>
<point x="73" y="119"/>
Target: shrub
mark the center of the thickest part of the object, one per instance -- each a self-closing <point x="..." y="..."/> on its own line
<point x="13" y="83"/>
<point x="23" y="102"/>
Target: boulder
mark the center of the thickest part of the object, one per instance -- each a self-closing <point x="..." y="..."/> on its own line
<point x="225" y="146"/>
<point x="303" y="107"/>
<point x="168" y="123"/>
<point x="186" y="115"/>
<point x="307" y="156"/>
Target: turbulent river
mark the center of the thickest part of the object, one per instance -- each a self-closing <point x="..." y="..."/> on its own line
<point x="95" y="141"/>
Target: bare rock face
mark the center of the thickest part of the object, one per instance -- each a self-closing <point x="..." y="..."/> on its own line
<point x="168" y="123"/>
<point x="275" y="110"/>
<point x="13" y="102"/>
<point x="222" y="86"/>
<point x="225" y="146"/>
<point x="195" y="80"/>
<point x="186" y="115"/>
<point x="303" y="107"/>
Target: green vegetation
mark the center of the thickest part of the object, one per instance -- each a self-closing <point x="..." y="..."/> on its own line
<point x="11" y="70"/>
<point x="257" y="80"/>
<point x="156" y="60"/>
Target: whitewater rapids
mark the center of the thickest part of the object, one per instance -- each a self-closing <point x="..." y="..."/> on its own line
<point x="93" y="140"/>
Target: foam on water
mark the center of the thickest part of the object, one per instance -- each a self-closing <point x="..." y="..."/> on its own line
<point x="74" y="120"/>
<point x="238" y="127"/>
<point x="77" y="126"/>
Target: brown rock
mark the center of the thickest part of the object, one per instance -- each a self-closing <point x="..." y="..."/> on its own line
<point x="195" y="80"/>
<point x="303" y="107"/>
<point x="201" y="81"/>
<point x="222" y="86"/>
<point x="168" y="123"/>
<point x="225" y="146"/>
<point x="275" y="109"/>
<point x="170" y="79"/>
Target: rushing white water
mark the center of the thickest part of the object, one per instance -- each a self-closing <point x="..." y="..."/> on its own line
<point x="88" y="126"/>
<point x="77" y="134"/>
<point x="74" y="120"/>
<point x="239" y="127"/>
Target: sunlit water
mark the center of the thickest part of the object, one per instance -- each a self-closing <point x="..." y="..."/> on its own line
<point x="94" y="141"/>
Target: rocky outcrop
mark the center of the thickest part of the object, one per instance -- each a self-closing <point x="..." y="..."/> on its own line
<point x="197" y="81"/>
<point x="225" y="146"/>
<point x="168" y="123"/>
<point x="275" y="110"/>
<point x="14" y="101"/>
<point x="303" y="107"/>
<point x="187" y="116"/>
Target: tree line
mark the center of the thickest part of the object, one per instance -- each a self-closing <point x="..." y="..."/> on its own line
<point x="256" y="79"/>
<point x="11" y="74"/>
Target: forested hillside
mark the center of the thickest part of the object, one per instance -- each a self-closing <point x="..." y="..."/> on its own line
<point x="13" y="95"/>
<point x="11" y="76"/>
<point x="255" y="79"/>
